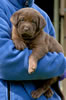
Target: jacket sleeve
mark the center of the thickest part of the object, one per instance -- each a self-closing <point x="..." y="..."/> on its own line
<point x="14" y="63"/>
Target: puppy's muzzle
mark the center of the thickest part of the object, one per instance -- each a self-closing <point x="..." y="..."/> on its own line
<point x="25" y="35"/>
<point x="26" y="29"/>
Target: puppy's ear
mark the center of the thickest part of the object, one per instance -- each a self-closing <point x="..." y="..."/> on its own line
<point x="14" y="18"/>
<point x="42" y="22"/>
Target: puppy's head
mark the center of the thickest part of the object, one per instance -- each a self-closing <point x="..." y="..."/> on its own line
<point x="28" y="22"/>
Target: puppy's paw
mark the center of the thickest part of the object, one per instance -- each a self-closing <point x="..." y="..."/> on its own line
<point x="37" y="93"/>
<point x="20" y="45"/>
<point x="49" y="93"/>
<point x="32" y="65"/>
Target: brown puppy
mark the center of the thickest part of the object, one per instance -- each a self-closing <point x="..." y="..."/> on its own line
<point x="28" y="32"/>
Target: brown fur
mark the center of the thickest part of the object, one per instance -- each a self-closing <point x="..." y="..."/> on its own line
<point x="28" y="32"/>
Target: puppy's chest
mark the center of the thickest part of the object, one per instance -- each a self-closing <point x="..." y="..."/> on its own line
<point x="31" y="44"/>
<point x="36" y="42"/>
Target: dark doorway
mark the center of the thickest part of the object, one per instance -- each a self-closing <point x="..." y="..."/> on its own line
<point x="46" y="5"/>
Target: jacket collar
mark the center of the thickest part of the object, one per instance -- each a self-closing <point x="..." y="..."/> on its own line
<point x="21" y="3"/>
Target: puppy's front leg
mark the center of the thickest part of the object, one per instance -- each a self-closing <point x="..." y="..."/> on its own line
<point x="37" y="54"/>
<point x="19" y="43"/>
<point x="32" y="64"/>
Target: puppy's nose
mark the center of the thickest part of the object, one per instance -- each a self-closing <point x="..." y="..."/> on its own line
<point x="26" y="29"/>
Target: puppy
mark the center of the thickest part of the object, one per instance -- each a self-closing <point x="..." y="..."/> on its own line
<point x="28" y="32"/>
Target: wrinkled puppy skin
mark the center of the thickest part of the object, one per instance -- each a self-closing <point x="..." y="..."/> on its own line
<point x="27" y="31"/>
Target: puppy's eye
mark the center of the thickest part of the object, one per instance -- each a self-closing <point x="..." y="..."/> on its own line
<point x="33" y="21"/>
<point x="22" y="19"/>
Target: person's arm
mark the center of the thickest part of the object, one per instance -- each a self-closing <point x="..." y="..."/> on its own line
<point x="14" y="63"/>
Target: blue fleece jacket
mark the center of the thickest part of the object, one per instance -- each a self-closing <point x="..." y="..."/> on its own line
<point x="14" y="63"/>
